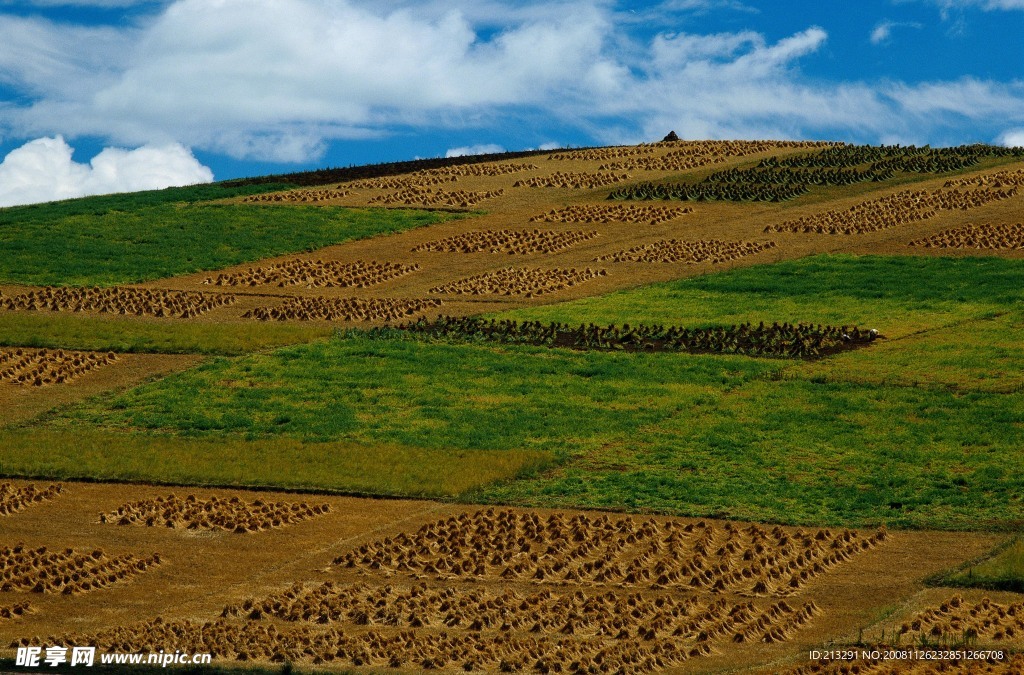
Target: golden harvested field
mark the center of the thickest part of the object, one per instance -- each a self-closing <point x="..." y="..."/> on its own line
<point x="345" y="582"/>
<point x="581" y="226"/>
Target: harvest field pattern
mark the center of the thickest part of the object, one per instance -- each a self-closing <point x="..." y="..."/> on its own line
<point x="777" y="411"/>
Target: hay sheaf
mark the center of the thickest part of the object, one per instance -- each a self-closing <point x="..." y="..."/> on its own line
<point x="521" y="242"/>
<point x="316" y="274"/>
<point x="344" y="309"/>
<point x="902" y="208"/>
<point x="517" y="281"/>
<point x="14" y="499"/>
<point x="40" y="570"/>
<point x="712" y="251"/>
<point x="43" y="367"/>
<point x="215" y="513"/>
<point x="118" y="300"/>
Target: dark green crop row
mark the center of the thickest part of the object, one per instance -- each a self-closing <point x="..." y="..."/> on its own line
<point x="780" y="179"/>
<point x="787" y="340"/>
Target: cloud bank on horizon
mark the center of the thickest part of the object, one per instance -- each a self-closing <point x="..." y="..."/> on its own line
<point x="43" y="170"/>
<point x="306" y="81"/>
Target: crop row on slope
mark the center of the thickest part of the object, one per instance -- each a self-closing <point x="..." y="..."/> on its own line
<point x="901" y="208"/>
<point x="997" y="237"/>
<point x="517" y="281"/>
<point x="612" y="213"/>
<point x="691" y="252"/>
<point x="118" y="300"/>
<point x="779" y="179"/>
<point x="522" y="242"/>
<point x="785" y="340"/>
<point x="316" y="274"/>
<point x="343" y="309"/>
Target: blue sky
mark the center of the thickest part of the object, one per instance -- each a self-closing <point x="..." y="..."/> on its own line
<point x="105" y="95"/>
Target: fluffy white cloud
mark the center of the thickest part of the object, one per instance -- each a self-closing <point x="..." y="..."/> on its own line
<point x="883" y="31"/>
<point x="1012" y="138"/>
<point x="43" y="170"/>
<point x="275" y="78"/>
<point x="987" y="5"/>
<point x="482" y="149"/>
<point x="279" y="79"/>
<point x="78" y="3"/>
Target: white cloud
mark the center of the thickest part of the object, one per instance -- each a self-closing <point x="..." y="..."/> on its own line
<point x="968" y="98"/>
<point x="78" y="3"/>
<point x="1012" y="138"/>
<point x="987" y="5"/>
<point x="883" y="31"/>
<point x="278" y="80"/>
<point x="482" y="149"/>
<point x="43" y="170"/>
<point x="275" y="78"/>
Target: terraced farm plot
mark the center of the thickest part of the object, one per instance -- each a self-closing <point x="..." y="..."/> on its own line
<point x="701" y="154"/>
<point x="615" y="213"/>
<point x="901" y="208"/>
<point x="343" y="309"/>
<point x="118" y="300"/>
<point x="523" y="242"/>
<point x="514" y="281"/>
<point x="316" y="274"/>
<point x="712" y="251"/>
<point x="996" y="237"/>
<point x="680" y="155"/>
<point x="331" y="591"/>
<point x="655" y="399"/>
<point x="194" y="513"/>
<point x="581" y="551"/>
<point x="998" y="179"/>
<point x="15" y="498"/>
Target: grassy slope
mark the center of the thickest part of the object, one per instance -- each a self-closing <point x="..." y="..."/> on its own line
<point x="152" y="242"/>
<point x="392" y="401"/>
<point x="99" y="454"/>
<point x="773" y="440"/>
<point x="150" y="335"/>
<point x="1003" y="570"/>
<point x="918" y="430"/>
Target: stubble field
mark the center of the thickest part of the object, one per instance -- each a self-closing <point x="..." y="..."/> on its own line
<point x="776" y="411"/>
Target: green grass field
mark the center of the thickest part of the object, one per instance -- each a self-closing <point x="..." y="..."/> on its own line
<point x="98" y="454"/>
<point x="59" y="330"/>
<point x="109" y="245"/>
<point x="1003" y="570"/>
<point x="908" y="432"/>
